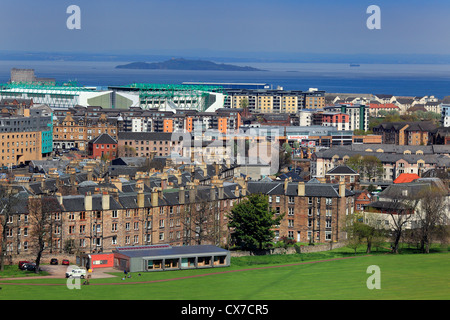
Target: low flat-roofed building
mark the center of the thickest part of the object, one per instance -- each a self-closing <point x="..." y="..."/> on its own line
<point x="165" y="257"/>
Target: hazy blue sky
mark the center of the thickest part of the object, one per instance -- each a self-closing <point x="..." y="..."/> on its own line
<point x="163" y="26"/>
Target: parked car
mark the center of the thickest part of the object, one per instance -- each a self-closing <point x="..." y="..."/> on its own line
<point x="54" y="261"/>
<point x="31" y="266"/>
<point x="76" y="272"/>
<point x="65" y="262"/>
<point x="23" y="264"/>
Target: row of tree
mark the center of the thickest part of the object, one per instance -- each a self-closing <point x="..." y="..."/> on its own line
<point x="421" y="218"/>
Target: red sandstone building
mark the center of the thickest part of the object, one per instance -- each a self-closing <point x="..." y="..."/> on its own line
<point x="103" y="146"/>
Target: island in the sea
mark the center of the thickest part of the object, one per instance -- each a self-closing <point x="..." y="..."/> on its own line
<point x="184" y="64"/>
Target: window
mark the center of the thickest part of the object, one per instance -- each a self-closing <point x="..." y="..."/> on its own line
<point x="291" y="211"/>
<point x="291" y="199"/>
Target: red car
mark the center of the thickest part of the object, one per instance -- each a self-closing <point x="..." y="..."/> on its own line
<point x="65" y="262"/>
<point x="22" y="264"/>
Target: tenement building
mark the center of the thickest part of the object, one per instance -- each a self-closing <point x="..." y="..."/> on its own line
<point x="106" y="214"/>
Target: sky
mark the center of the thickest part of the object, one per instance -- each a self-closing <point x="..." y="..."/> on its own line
<point x="226" y="27"/>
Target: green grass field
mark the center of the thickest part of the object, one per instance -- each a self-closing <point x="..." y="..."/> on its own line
<point x="405" y="277"/>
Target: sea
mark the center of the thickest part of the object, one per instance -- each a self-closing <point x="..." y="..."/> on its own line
<point x="396" y="79"/>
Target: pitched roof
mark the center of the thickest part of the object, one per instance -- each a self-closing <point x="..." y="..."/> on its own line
<point x="104" y="138"/>
<point x="406" y="177"/>
<point x="342" y="170"/>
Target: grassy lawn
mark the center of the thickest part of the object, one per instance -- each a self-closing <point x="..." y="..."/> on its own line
<point x="407" y="276"/>
<point x="14" y="272"/>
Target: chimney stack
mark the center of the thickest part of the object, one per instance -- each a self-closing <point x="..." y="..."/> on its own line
<point x="59" y="197"/>
<point x="181" y="195"/>
<point x="236" y="191"/>
<point x="301" y="189"/>
<point x="286" y="184"/>
<point x="154" y="197"/>
<point x="212" y="193"/>
<point x="105" y="200"/>
<point x="88" y="202"/>
<point x="89" y="174"/>
<point x="140" y="199"/>
<point x="192" y="192"/>
<point x="341" y="189"/>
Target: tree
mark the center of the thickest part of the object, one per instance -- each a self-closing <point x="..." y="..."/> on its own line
<point x="200" y="223"/>
<point x="243" y="103"/>
<point x="355" y="162"/>
<point x="252" y="222"/>
<point x="367" y="166"/>
<point x="352" y="225"/>
<point x="401" y="209"/>
<point x="372" y="167"/>
<point x="8" y="200"/>
<point x="41" y="209"/>
<point x="126" y="151"/>
<point x="431" y="216"/>
<point x="372" y="231"/>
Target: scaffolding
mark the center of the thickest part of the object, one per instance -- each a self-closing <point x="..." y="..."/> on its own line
<point x="188" y="97"/>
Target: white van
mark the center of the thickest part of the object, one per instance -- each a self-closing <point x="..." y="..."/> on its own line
<point x="76" y="272"/>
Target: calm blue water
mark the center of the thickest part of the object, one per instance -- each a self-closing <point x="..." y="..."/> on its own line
<point x="403" y="80"/>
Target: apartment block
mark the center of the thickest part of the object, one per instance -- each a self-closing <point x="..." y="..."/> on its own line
<point x="25" y="134"/>
<point x="144" y="144"/>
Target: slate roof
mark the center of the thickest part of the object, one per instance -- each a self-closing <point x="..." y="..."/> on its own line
<point x="342" y="170"/>
<point x="384" y="157"/>
<point x="154" y="136"/>
<point x="312" y="189"/>
<point x="104" y="138"/>
<point x="160" y="251"/>
<point x="76" y="203"/>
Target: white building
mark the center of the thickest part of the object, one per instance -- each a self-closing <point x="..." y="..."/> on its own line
<point x="445" y="115"/>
